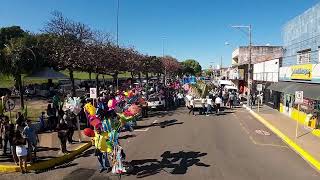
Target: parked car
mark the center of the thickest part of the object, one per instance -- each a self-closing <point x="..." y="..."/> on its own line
<point x="156" y="102"/>
<point x="5" y="91"/>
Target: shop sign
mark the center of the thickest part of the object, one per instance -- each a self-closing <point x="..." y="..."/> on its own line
<point x="301" y="72"/>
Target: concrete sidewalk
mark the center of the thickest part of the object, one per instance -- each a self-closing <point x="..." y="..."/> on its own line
<point x="306" y="139"/>
<point x="48" y="148"/>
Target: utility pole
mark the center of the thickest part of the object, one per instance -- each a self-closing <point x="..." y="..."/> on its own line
<point x="165" y="69"/>
<point x="118" y="37"/>
<point x="249" y="27"/>
<point x="220" y="66"/>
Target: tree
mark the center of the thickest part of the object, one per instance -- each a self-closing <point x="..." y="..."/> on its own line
<point x="19" y="58"/>
<point x="8" y="33"/>
<point x="191" y="67"/>
<point x="170" y="66"/>
<point x="68" y="46"/>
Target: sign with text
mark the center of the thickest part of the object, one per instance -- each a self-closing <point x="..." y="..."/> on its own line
<point x="298" y="97"/>
<point x="301" y="72"/>
<point x="93" y="93"/>
<point x="259" y="87"/>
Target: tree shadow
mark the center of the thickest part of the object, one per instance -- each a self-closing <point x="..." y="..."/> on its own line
<point x="162" y="124"/>
<point x="173" y="163"/>
<point x="128" y="136"/>
<point x="40" y="149"/>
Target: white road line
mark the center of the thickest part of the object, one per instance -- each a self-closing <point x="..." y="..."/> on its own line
<point x="142" y="130"/>
<point x="154" y="121"/>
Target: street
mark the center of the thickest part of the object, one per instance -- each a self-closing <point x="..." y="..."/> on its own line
<point x="174" y="145"/>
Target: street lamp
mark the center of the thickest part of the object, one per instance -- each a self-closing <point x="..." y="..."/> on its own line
<point x="249" y="28"/>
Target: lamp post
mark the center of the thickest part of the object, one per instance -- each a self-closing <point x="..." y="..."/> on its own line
<point x="249" y="28"/>
<point x="118" y="6"/>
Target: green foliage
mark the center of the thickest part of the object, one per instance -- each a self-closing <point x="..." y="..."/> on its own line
<point x="8" y="33"/>
<point x="191" y="67"/>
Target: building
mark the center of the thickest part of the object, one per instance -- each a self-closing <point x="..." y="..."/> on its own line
<point x="300" y="69"/>
<point x="266" y="73"/>
<point x="240" y="60"/>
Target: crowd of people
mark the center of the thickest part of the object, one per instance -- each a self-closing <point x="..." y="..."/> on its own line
<point x="213" y="102"/>
<point x="21" y="137"/>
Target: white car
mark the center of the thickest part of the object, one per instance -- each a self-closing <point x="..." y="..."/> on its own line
<point x="156" y="102"/>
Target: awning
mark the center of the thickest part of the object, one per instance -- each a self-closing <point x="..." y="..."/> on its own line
<point x="311" y="91"/>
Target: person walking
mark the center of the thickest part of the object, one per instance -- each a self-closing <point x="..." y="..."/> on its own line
<point x="101" y="151"/>
<point x="209" y="106"/>
<point x="8" y="132"/>
<point x="32" y="138"/>
<point x="51" y="117"/>
<point x="63" y="134"/>
<point x="20" y="144"/>
<point x="218" y="102"/>
<point x="191" y="106"/>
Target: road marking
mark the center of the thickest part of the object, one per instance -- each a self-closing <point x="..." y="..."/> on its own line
<point x="303" y="153"/>
<point x="142" y="130"/>
<point x="154" y="121"/>
<point x="243" y="126"/>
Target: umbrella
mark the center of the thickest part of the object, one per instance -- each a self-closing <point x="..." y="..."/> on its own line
<point x="47" y="73"/>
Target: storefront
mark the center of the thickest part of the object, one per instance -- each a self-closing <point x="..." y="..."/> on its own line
<point x="300" y="78"/>
<point x="267" y="73"/>
<point x="237" y="76"/>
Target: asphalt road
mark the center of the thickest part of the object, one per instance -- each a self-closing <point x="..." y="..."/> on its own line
<point x="174" y="145"/>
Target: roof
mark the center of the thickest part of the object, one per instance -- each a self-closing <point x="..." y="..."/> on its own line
<point x="47" y="73"/>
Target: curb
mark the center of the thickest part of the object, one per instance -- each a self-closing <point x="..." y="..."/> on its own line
<point x="49" y="163"/>
<point x="294" y="146"/>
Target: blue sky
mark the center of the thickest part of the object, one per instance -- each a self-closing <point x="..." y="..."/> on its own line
<point x="196" y="29"/>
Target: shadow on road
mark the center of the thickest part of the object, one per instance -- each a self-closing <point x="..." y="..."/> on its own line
<point x="128" y="136"/>
<point x="162" y="124"/>
<point x="173" y="163"/>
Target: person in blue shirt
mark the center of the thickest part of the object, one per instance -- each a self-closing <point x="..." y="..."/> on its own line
<point x="30" y="134"/>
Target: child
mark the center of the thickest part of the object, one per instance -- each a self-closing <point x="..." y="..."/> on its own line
<point x="42" y="123"/>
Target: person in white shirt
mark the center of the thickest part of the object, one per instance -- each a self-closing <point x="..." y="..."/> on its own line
<point x="191" y="106"/>
<point x="218" y="103"/>
<point x="209" y="105"/>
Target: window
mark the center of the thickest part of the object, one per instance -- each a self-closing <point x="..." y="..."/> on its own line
<point x="304" y="57"/>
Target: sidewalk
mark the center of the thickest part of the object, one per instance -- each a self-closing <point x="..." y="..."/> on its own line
<point x="48" y="150"/>
<point x="306" y="139"/>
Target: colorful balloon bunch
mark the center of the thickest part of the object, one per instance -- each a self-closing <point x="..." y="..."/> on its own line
<point x="118" y="113"/>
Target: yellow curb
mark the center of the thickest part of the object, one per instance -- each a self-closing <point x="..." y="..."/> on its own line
<point x="303" y="153"/>
<point x="316" y="132"/>
<point x="49" y="163"/>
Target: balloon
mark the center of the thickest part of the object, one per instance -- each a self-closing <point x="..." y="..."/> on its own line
<point x="111" y="104"/>
<point x="134" y="109"/>
<point x="88" y="132"/>
<point x="126" y="94"/>
<point x="128" y="113"/>
<point x="90" y="109"/>
<point x="96" y="123"/>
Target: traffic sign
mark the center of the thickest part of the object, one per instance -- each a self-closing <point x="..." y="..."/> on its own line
<point x="93" y="93"/>
<point x="298" y="97"/>
<point x="259" y="87"/>
<point x="10" y="104"/>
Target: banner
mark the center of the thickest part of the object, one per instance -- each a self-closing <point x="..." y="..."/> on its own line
<point x="301" y="72"/>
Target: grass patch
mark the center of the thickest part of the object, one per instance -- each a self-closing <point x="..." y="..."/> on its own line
<point x="8" y="81"/>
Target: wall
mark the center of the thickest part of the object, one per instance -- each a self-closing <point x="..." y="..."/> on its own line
<point x="259" y="54"/>
<point x="266" y="71"/>
<point x="300" y="33"/>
